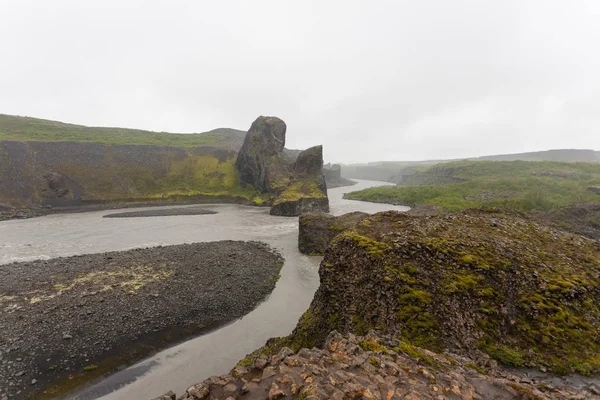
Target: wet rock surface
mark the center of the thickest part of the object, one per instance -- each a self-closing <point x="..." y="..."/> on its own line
<point x="316" y="230"/>
<point x="306" y="190"/>
<point x="67" y="320"/>
<point x="261" y="157"/>
<point x="165" y="212"/>
<point x="296" y="187"/>
<point x="373" y="367"/>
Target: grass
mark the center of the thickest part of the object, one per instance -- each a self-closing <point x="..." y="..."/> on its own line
<point x="520" y="185"/>
<point x="34" y="129"/>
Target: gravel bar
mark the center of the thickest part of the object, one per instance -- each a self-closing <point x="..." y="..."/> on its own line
<point x="67" y="321"/>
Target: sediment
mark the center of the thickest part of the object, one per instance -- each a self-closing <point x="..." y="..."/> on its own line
<point x="66" y="321"/>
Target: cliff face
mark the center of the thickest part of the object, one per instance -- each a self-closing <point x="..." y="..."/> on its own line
<point x="317" y="230"/>
<point x="476" y="282"/>
<point x="41" y="167"/>
<point x="296" y="187"/>
<point x="66" y="174"/>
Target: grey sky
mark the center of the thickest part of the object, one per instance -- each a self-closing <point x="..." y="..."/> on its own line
<point x="370" y="80"/>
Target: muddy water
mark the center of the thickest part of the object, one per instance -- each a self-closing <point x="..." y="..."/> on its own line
<point x="212" y="354"/>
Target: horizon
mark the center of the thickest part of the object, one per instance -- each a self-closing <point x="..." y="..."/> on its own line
<point x="403" y="81"/>
<point x="325" y="160"/>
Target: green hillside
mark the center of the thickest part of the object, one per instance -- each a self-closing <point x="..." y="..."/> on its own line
<point x="521" y="185"/>
<point x="34" y="129"/>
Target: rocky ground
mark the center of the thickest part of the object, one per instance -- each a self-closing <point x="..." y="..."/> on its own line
<point x="582" y="219"/>
<point x="374" y="367"/>
<point x="164" y="212"/>
<point x="66" y="321"/>
<point x="20" y="214"/>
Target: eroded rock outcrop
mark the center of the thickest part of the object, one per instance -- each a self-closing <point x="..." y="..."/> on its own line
<point x="372" y="367"/>
<point x="296" y="187"/>
<point x="306" y="190"/>
<point x="477" y="282"/>
<point x="261" y="161"/>
<point x="316" y="230"/>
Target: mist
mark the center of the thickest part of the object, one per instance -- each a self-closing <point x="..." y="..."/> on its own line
<point x="385" y="80"/>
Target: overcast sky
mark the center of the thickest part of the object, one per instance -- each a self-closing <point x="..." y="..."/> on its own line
<point x="370" y="80"/>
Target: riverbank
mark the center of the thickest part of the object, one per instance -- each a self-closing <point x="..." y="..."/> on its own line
<point x="162" y="212"/>
<point x="26" y="213"/>
<point x="67" y="321"/>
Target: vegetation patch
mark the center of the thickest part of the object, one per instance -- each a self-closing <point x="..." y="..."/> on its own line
<point x="519" y="185"/>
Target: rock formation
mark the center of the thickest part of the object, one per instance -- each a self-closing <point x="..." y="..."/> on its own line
<point x="316" y="230"/>
<point x="476" y="282"/>
<point x="435" y="307"/>
<point x="296" y="187"/>
<point x="261" y="161"/>
<point x="372" y="367"/>
<point x="594" y="189"/>
<point x="333" y="176"/>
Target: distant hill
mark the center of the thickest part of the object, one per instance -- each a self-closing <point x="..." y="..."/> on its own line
<point x="561" y="155"/>
<point x="398" y="171"/>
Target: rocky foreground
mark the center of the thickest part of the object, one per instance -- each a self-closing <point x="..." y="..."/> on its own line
<point x="373" y="367"/>
<point x="478" y="304"/>
<point x="66" y="321"/>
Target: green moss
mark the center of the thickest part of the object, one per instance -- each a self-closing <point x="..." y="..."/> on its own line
<point x="90" y="367"/>
<point x="372" y="345"/>
<point x="526" y="394"/>
<point x="476" y="368"/>
<point x="373" y="248"/>
<point x="415" y="353"/>
<point x="361" y="328"/>
<point x="374" y="362"/>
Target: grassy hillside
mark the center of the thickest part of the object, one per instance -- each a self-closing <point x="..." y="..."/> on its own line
<point x="522" y="185"/>
<point x="33" y="129"/>
<point x="397" y="171"/>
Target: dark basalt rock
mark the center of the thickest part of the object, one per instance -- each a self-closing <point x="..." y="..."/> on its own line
<point x="316" y="230"/>
<point x="294" y="208"/>
<point x="307" y="190"/>
<point x="297" y="187"/>
<point x="262" y="153"/>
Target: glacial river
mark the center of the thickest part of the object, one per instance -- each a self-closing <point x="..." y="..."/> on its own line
<point x="215" y="353"/>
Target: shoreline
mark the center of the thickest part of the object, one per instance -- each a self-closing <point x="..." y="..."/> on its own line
<point x="69" y="321"/>
<point x="26" y="213"/>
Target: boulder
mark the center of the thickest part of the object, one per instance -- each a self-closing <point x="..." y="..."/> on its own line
<point x="261" y="157"/>
<point x="316" y="230"/>
<point x="306" y="190"/>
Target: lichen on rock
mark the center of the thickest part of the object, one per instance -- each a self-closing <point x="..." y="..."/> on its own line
<point x="296" y="187"/>
<point x="479" y="282"/>
<point x="317" y="230"/>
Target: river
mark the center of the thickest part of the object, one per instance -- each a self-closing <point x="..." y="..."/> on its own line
<point x="180" y="366"/>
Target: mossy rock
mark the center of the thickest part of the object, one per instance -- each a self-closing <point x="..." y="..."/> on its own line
<point x="317" y="230"/>
<point x="474" y="281"/>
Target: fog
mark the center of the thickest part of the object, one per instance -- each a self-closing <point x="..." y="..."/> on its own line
<point x="377" y="80"/>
